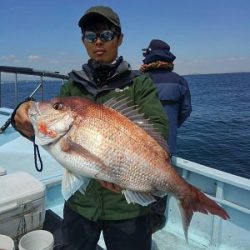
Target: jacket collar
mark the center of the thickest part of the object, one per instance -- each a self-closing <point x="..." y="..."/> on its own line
<point x="123" y="76"/>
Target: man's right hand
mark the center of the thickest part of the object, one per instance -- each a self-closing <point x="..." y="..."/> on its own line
<point x="22" y="120"/>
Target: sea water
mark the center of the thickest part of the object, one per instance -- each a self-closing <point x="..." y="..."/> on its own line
<point x="217" y="133"/>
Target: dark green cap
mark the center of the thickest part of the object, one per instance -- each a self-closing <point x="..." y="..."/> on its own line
<point x="104" y="11"/>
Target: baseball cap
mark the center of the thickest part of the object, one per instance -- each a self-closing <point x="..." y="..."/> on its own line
<point x="156" y="44"/>
<point x="104" y="11"/>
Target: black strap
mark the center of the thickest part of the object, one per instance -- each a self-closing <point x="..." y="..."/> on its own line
<point x="37" y="153"/>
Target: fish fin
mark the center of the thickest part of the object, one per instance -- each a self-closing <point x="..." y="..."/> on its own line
<point x="85" y="183"/>
<point x="67" y="145"/>
<point x="186" y="216"/>
<point x="126" y="107"/>
<point x="198" y="202"/>
<point x="71" y="183"/>
<point x="144" y="199"/>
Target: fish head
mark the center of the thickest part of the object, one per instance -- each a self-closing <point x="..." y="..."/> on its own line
<point x="51" y="119"/>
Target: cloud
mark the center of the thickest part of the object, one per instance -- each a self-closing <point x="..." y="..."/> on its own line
<point x="33" y="58"/>
<point x="214" y="65"/>
<point x="232" y="59"/>
<point x="9" y="59"/>
<point x="54" y="61"/>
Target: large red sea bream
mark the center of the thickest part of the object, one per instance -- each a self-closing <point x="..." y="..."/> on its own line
<point x="114" y="143"/>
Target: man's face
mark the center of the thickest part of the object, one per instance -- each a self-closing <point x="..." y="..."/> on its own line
<point x="103" y="51"/>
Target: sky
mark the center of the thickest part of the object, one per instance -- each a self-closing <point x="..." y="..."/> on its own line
<point x="206" y="36"/>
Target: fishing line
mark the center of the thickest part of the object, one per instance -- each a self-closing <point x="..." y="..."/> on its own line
<point x="37" y="154"/>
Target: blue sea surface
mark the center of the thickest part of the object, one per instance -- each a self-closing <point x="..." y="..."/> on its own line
<point x="217" y="134"/>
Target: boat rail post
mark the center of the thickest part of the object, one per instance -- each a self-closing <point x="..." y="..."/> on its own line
<point x="0" y="89"/>
<point x="15" y="90"/>
<point x="42" y="87"/>
<point x="217" y="222"/>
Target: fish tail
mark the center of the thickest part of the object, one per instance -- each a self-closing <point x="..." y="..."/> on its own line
<point x="196" y="201"/>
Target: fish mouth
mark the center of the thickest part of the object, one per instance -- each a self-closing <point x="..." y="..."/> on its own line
<point x="34" y="113"/>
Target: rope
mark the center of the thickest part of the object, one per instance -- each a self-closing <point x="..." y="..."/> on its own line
<point x="37" y="154"/>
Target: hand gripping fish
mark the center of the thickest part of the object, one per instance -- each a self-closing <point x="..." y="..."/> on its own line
<point x="114" y="143"/>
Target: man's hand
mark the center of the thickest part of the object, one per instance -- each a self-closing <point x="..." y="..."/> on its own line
<point x="111" y="186"/>
<point x="22" y="121"/>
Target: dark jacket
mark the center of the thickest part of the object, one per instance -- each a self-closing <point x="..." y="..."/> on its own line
<point x="99" y="203"/>
<point x="175" y="96"/>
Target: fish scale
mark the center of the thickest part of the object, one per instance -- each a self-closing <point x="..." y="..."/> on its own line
<point x="126" y="141"/>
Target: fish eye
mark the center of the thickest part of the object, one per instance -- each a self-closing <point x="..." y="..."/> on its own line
<point x="58" y="106"/>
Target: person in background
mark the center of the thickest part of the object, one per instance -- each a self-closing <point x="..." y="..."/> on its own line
<point x="103" y="208"/>
<point x="175" y="97"/>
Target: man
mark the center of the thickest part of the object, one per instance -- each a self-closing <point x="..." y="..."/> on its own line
<point x="173" y="89"/>
<point x="103" y="207"/>
<point x="175" y="97"/>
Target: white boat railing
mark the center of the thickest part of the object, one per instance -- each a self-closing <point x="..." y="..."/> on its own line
<point x="231" y="192"/>
<point x="31" y="72"/>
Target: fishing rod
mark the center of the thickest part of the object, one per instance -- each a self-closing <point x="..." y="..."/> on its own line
<point x="7" y="123"/>
<point x="34" y="72"/>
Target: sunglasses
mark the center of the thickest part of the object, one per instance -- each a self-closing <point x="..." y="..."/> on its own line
<point x="105" y="36"/>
